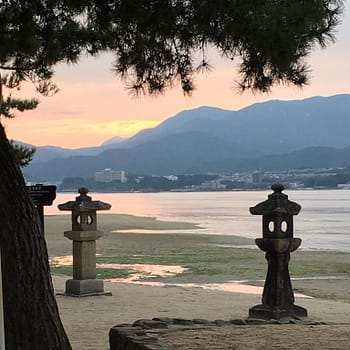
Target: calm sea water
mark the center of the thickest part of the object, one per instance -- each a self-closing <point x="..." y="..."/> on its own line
<point x="323" y="223"/>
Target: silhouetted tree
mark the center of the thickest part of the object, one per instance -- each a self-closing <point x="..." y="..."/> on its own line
<point x="23" y="155"/>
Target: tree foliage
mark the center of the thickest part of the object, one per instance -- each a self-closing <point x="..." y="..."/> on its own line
<point x="9" y="104"/>
<point x="160" y="42"/>
<point x="157" y="43"/>
<point x="35" y="35"/>
<point x="23" y="155"/>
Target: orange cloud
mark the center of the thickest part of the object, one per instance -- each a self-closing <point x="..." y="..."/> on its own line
<point x="73" y="132"/>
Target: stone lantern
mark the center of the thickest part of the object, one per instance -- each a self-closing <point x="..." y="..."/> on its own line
<point x="84" y="234"/>
<point x="278" y="242"/>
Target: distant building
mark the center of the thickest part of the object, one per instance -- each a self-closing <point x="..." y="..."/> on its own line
<point x="109" y="175"/>
<point x="258" y="176"/>
<point x="172" y="177"/>
<point x="344" y="186"/>
<point x="212" y="185"/>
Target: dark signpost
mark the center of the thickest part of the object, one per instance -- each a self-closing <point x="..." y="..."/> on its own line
<point x="42" y="195"/>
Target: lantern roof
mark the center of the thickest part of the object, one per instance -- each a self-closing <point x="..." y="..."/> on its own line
<point x="84" y="203"/>
<point x="276" y="204"/>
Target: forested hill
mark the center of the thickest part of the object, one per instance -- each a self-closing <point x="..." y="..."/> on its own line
<point x="270" y="135"/>
<point x="271" y="127"/>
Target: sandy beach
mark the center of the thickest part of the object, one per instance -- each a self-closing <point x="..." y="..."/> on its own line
<point x="87" y="320"/>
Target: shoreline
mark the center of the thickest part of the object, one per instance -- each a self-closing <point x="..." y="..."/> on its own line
<point x="268" y="188"/>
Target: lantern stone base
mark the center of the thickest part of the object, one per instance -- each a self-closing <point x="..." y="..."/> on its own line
<point x="268" y="312"/>
<point x="82" y="288"/>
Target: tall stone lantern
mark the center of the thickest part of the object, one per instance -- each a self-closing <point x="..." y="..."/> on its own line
<point x="84" y="234"/>
<point x="278" y="242"/>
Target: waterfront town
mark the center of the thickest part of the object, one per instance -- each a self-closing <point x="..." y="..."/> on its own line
<point x="109" y="180"/>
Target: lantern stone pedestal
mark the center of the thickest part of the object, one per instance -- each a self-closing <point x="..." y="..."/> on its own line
<point x="84" y="234"/>
<point x="278" y="243"/>
<point x="84" y="280"/>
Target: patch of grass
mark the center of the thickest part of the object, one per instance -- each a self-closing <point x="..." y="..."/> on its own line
<point x="62" y="270"/>
<point x="222" y="263"/>
<point x="108" y="273"/>
<point x="102" y="273"/>
<point x="310" y="263"/>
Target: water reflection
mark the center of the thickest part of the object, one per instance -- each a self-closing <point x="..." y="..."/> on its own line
<point x="140" y="204"/>
<point x="137" y="272"/>
<point x="154" y="231"/>
<point x="142" y="271"/>
<point x="65" y="260"/>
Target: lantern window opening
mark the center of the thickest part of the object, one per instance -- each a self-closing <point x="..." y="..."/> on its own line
<point x="284" y="226"/>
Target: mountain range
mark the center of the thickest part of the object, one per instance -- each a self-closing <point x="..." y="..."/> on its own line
<point x="274" y="135"/>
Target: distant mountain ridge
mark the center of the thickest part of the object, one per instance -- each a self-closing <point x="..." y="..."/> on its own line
<point x="46" y="153"/>
<point x="270" y="135"/>
<point x="316" y="121"/>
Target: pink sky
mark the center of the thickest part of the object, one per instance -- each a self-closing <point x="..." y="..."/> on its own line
<point x="93" y="105"/>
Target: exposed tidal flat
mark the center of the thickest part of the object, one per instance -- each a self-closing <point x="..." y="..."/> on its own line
<point x="146" y="250"/>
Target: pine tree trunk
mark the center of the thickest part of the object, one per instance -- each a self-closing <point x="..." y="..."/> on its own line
<point x="31" y="315"/>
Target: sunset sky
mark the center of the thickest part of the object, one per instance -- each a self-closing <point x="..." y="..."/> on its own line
<point x="93" y="105"/>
